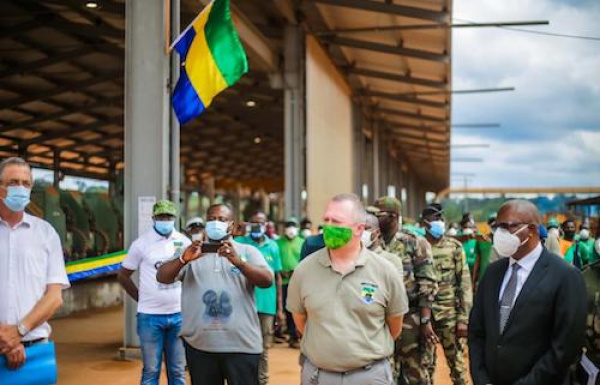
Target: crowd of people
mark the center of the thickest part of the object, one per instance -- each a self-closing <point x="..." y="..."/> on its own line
<point x="366" y="298"/>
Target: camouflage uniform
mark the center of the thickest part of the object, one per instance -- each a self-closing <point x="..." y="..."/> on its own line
<point x="451" y="306"/>
<point x="591" y="276"/>
<point x="421" y="287"/>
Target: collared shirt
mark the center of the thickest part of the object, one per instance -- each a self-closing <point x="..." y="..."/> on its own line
<point x="31" y="257"/>
<point x="266" y="298"/>
<point x="147" y="254"/>
<point x="526" y="264"/>
<point x="346" y="314"/>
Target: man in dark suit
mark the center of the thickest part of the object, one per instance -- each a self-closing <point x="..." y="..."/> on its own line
<point x="527" y="323"/>
<point x="311" y="244"/>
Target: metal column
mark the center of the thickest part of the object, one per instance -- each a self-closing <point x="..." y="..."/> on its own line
<point x="147" y="116"/>
<point x="376" y="168"/>
<point x="295" y="131"/>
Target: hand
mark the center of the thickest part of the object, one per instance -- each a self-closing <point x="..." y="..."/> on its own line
<point x="228" y="251"/>
<point x="280" y="318"/>
<point x="16" y="358"/>
<point x="193" y="252"/>
<point x="286" y="274"/>
<point x="428" y="334"/>
<point x="461" y="330"/>
<point x="9" y="338"/>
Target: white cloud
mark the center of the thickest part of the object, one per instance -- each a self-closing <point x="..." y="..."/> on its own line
<point x="550" y="131"/>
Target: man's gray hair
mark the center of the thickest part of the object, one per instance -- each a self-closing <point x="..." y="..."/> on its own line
<point x="360" y="214"/>
<point x="13" y="161"/>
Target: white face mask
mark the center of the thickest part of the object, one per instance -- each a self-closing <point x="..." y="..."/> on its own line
<point x="291" y="232"/>
<point x="198" y="237"/>
<point x="451" y="232"/>
<point x="306" y="233"/>
<point x="507" y="244"/>
<point x="597" y="246"/>
<point x="366" y="238"/>
<point x="584" y="234"/>
<point x="467" y="231"/>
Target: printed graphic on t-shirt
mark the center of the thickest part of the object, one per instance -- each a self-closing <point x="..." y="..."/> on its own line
<point x="178" y="246"/>
<point x="218" y="308"/>
<point x="367" y="292"/>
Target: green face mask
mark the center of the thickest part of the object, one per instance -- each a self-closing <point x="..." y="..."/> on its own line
<point x="336" y="236"/>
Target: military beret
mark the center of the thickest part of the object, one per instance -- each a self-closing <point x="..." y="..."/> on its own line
<point x="388" y="204"/>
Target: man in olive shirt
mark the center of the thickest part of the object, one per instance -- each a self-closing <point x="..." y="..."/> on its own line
<point x="347" y="302"/>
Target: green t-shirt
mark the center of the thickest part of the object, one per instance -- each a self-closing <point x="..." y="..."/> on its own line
<point x="266" y="299"/>
<point x="586" y="252"/>
<point x="470" y="248"/>
<point x="485" y="250"/>
<point x="290" y="250"/>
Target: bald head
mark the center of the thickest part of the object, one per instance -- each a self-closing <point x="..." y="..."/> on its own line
<point x="522" y="210"/>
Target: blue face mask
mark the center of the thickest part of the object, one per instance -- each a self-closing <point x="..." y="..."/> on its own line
<point x="164" y="227"/>
<point x="257" y="231"/>
<point x="437" y="229"/>
<point x="17" y="198"/>
<point x="217" y="230"/>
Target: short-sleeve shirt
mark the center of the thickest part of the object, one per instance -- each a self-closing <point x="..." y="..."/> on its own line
<point x="31" y="257"/>
<point x="147" y="254"/>
<point x="266" y="299"/>
<point x="290" y="250"/>
<point x="346" y="315"/>
<point x="218" y="306"/>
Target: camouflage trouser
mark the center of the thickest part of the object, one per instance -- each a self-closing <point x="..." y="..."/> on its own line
<point x="454" y="350"/>
<point x="410" y="351"/>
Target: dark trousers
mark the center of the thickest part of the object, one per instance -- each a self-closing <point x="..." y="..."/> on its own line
<point x="291" y="326"/>
<point x="214" y="368"/>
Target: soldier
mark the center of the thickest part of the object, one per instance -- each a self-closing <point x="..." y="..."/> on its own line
<point x="454" y="297"/>
<point x="421" y="286"/>
<point x="590" y="360"/>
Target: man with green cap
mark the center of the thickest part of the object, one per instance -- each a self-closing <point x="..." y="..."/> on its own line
<point x="454" y="297"/>
<point x="421" y="285"/>
<point x="159" y="305"/>
<point x="290" y="246"/>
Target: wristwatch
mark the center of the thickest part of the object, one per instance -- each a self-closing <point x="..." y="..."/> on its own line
<point x="425" y="320"/>
<point x="23" y="331"/>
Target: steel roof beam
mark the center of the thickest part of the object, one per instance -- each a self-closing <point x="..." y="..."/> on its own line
<point x="388" y="49"/>
<point x="77" y="87"/>
<point x="390" y="8"/>
<point x="64" y="133"/>
<point x="412" y="115"/>
<point x="23" y="68"/>
<point x="395" y="77"/>
<point x="403" y="99"/>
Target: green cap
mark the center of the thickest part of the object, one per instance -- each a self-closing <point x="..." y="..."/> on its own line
<point x="164" y="207"/>
<point x="388" y="204"/>
<point x="553" y="223"/>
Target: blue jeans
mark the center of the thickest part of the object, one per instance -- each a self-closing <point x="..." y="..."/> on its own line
<point x="159" y="333"/>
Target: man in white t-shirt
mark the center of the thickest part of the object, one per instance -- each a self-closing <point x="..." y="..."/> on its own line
<point x="159" y="305"/>
<point x="32" y="267"/>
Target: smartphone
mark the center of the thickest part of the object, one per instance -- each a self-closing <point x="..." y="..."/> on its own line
<point x="210" y="247"/>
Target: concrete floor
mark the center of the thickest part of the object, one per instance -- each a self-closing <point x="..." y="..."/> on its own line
<point x="87" y="346"/>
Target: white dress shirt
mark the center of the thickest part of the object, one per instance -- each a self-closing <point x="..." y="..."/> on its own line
<point x="147" y="254"/>
<point x="526" y="266"/>
<point x="31" y="257"/>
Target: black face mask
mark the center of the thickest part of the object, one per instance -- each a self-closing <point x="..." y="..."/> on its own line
<point x="386" y="223"/>
<point x="569" y="234"/>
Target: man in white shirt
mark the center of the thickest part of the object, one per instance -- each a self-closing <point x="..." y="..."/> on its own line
<point x="32" y="267"/>
<point x="159" y="305"/>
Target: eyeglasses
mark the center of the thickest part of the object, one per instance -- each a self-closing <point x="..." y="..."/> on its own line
<point x="510" y="226"/>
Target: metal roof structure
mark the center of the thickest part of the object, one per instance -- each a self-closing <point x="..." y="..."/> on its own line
<point x="61" y="86"/>
<point x="396" y="55"/>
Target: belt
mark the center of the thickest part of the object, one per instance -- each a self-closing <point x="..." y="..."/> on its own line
<point x="303" y="359"/>
<point x="34" y="342"/>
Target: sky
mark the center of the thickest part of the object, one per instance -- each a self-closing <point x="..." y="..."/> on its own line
<point x="550" y="125"/>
